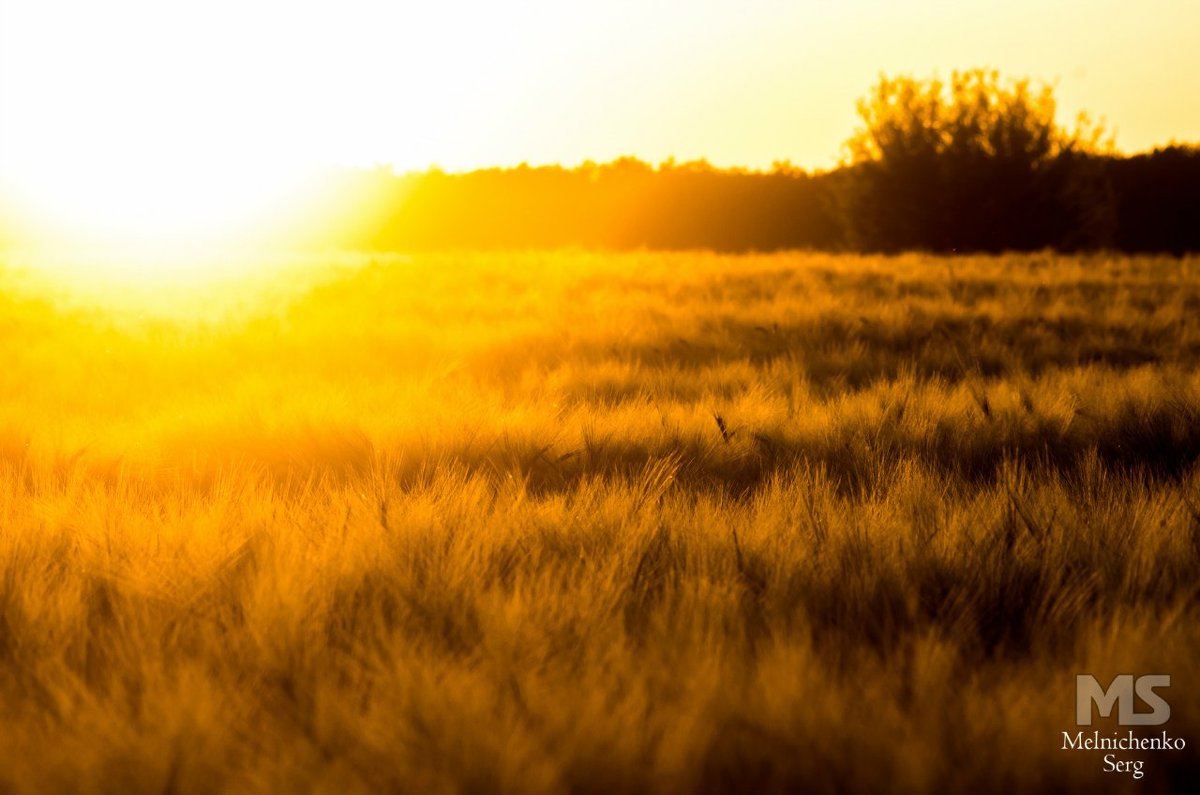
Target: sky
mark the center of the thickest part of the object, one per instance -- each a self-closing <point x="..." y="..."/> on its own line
<point x="236" y="92"/>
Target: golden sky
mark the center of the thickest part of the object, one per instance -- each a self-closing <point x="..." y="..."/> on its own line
<point x="225" y="92"/>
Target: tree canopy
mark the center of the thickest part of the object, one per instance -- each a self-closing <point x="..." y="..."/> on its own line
<point x="975" y="163"/>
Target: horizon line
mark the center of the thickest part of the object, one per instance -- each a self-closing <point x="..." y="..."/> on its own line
<point x="781" y="165"/>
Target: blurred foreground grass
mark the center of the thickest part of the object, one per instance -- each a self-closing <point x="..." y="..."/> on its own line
<point x="567" y="522"/>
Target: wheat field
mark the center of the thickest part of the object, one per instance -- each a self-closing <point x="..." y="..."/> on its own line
<point x="574" y="522"/>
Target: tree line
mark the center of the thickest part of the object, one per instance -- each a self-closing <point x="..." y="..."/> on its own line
<point x="972" y="163"/>
<point x="1145" y="203"/>
<point x="975" y="163"/>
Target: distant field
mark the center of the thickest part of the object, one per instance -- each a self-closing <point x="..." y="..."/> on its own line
<point x="584" y="523"/>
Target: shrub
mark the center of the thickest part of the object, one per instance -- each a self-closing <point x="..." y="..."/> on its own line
<point x="975" y="164"/>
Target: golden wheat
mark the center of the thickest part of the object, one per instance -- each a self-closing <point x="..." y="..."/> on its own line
<point x="574" y="522"/>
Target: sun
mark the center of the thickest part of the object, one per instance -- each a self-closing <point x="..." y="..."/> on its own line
<point x="134" y="197"/>
<point x="138" y="218"/>
<point x="146" y="129"/>
<point x="169" y="129"/>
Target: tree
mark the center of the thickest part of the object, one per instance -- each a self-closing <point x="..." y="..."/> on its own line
<point x="1158" y="195"/>
<point x="975" y="164"/>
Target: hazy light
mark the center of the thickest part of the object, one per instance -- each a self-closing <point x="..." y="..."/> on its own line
<point x="164" y="121"/>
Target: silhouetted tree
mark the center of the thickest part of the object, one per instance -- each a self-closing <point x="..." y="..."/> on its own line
<point x="1016" y="191"/>
<point x="975" y="164"/>
<point x="1158" y="198"/>
<point x="623" y="204"/>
